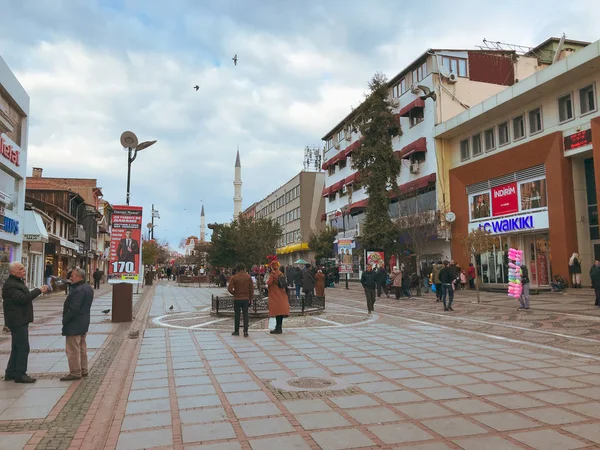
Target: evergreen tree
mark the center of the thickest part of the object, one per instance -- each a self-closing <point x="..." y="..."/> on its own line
<point x="322" y="242"/>
<point x="378" y="166"/>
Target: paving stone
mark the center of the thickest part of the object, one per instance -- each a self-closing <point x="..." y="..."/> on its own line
<point x="400" y="433"/>
<point x="293" y="442"/>
<point x="470" y="406"/>
<point x="422" y="446"/>
<point x="590" y="432"/>
<point x="240" y="387"/>
<point x="548" y="440"/>
<point x="341" y="439"/>
<point x="523" y="386"/>
<point x="198" y="401"/>
<point x="486" y="443"/>
<point x="234" y="378"/>
<point x="145" y="384"/>
<point x="361" y="378"/>
<point x="561" y="383"/>
<point x="305" y="406"/>
<point x="150" y="420"/>
<point x="453" y="426"/>
<point x="423" y="410"/>
<point x="351" y="368"/>
<point x="14" y="441"/>
<point x="316" y="421"/>
<point x="554" y="416"/>
<point x="589" y="392"/>
<point x="189" y="381"/>
<point x="558" y="397"/>
<point x="202" y="415"/>
<point x="398" y="374"/>
<point x="505" y="421"/>
<point x="263" y="427"/>
<point x="591" y="409"/>
<point x="239" y="398"/>
<point x="395" y="397"/>
<point x="494" y="376"/>
<point x="442" y="393"/>
<point x="197" y="389"/>
<point x="421" y="382"/>
<point x="150" y="375"/>
<point x="381" y="386"/>
<point x="147" y="406"/>
<point x="222" y="446"/>
<point x="207" y="432"/>
<point x="135" y="440"/>
<point x="373" y="415"/>
<point x="514" y="401"/>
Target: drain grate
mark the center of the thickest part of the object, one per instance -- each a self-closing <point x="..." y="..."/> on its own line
<point x="310" y="383"/>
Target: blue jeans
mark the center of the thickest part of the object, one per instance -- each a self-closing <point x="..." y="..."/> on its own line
<point x="426" y="285"/>
<point x="298" y="288"/>
<point x="447" y="290"/>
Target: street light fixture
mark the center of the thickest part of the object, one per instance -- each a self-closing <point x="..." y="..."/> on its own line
<point x="130" y="141"/>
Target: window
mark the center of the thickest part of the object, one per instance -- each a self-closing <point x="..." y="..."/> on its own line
<point x="342" y="163"/>
<point x="399" y="88"/>
<point x="535" y="121"/>
<point x="331" y="169"/>
<point x="565" y="108"/>
<point x="329" y="143"/>
<point x="457" y="66"/>
<point x="416" y="116"/>
<point x="518" y="127"/>
<point x="340" y="136"/>
<point x="419" y="73"/>
<point x="476" y="144"/>
<point x="464" y="150"/>
<point x="587" y="102"/>
<point x="503" y="137"/>
<point x="490" y="141"/>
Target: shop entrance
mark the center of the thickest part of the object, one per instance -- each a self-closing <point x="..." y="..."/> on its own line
<point x="537" y="258"/>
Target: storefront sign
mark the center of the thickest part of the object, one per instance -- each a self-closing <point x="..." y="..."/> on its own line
<point x="125" y="245"/>
<point x="375" y="259"/>
<point x="9" y="152"/>
<point x="505" y="200"/>
<point x="579" y="139"/>
<point x="11" y="225"/>
<point x="519" y="223"/>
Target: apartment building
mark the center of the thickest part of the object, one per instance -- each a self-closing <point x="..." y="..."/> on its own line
<point x="525" y="165"/>
<point x="438" y="85"/>
<point x="298" y="207"/>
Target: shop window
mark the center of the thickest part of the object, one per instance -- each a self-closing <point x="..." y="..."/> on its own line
<point x="565" y="108"/>
<point x="490" y="140"/>
<point x="476" y="144"/>
<point x="535" y="121"/>
<point x="503" y="138"/>
<point x="587" y="101"/>
<point x="464" y="150"/>
<point x="518" y="127"/>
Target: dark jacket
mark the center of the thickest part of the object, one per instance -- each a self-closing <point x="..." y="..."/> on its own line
<point x="17" y="302"/>
<point x="48" y="270"/>
<point x="576" y="267"/>
<point x="241" y="286"/>
<point x="369" y="279"/>
<point x="381" y="276"/>
<point x="97" y="275"/>
<point x="447" y="275"/>
<point x="524" y="274"/>
<point x="308" y="280"/>
<point x="297" y="276"/>
<point x="76" y="310"/>
<point x="594" y="276"/>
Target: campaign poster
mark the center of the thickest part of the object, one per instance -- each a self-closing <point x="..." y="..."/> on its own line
<point x="533" y="195"/>
<point x="505" y="199"/>
<point x="125" y="245"/>
<point x="345" y="247"/>
<point x="375" y="259"/>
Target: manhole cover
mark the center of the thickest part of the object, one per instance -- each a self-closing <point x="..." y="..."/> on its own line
<point x="310" y="383"/>
<point x="297" y="384"/>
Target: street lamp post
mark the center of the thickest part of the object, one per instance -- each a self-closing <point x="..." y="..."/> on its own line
<point x="344" y="228"/>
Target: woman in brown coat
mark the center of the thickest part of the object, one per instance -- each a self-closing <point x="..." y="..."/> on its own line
<point x="320" y="284"/>
<point x="279" y="305"/>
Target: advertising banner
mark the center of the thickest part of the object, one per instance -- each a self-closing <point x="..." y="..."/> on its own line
<point x="376" y="259"/>
<point x="533" y="195"/>
<point x="505" y="200"/>
<point x="346" y="268"/>
<point x="125" y="245"/>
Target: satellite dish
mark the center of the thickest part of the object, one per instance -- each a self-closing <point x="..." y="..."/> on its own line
<point x="450" y="217"/>
<point x="129" y="140"/>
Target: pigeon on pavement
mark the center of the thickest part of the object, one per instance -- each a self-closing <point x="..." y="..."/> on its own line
<point x="105" y="311"/>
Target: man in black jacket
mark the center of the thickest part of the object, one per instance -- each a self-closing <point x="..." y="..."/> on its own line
<point x="369" y="283"/>
<point x="447" y="277"/>
<point x="76" y="323"/>
<point x="308" y="284"/>
<point x="382" y="282"/>
<point x="18" y="314"/>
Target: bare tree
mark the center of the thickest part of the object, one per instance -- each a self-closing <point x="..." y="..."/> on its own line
<point x="477" y="242"/>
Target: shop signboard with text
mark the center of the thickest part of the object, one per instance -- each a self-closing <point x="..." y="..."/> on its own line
<point x="505" y="200"/>
<point x="516" y="223"/>
<point x="125" y="245"/>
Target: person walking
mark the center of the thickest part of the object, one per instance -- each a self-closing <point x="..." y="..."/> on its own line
<point x="242" y="289"/>
<point x="471" y="275"/>
<point x="18" y="314"/>
<point x="297" y="276"/>
<point x="320" y="283"/>
<point x="447" y="278"/>
<point x="369" y="284"/>
<point x="575" y="270"/>
<point x="97" y="277"/>
<point x="279" y="305"/>
<point x="308" y="284"/>
<point x="382" y="282"/>
<point x="595" y="277"/>
<point x="425" y="272"/>
<point x="48" y="275"/>
<point x="397" y="282"/>
<point x="524" y="298"/>
<point x="405" y="281"/>
<point x="436" y="280"/>
<point x="75" y="325"/>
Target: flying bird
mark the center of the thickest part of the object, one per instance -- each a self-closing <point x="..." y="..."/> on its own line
<point x="105" y="311"/>
<point x="234" y="59"/>
<point x="196" y="87"/>
<point x="171" y="308"/>
<point x="428" y="93"/>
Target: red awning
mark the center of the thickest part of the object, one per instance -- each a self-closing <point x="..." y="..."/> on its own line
<point x="418" y="146"/>
<point x="352" y="147"/>
<point x="337" y="187"/>
<point x="334" y="159"/>
<point x="419" y="183"/>
<point x="342" y="156"/>
<point x="325" y="165"/>
<point x="354" y="178"/>
<point x="358" y="205"/>
<point x="418" y="103"/>
<point x="326" y="191"/>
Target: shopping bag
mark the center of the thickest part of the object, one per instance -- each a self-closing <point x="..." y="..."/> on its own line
<point x="272" y="323"/>
<point x="433" y="288"/>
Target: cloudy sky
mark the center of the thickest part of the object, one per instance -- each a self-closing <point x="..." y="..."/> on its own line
<point x="95" y="68"/>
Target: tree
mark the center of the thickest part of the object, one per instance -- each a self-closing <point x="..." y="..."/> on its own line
<point x="375" y="160"/>
<point x="150" y="252"/>
<point x="322" y="242"/>
<point x="223" y="252"/>
<point x="475" y="243"/>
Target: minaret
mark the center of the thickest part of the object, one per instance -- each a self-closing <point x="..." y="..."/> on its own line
<point x="202" y="225"/>
<point x="237" y="184"/>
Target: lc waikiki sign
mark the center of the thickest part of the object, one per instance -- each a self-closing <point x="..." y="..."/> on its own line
<point x="8" y="152"/>
<point x="516" y="224"/>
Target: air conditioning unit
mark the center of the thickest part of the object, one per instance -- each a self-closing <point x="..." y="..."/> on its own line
<point x="415" y="89"/>
<point x="415" y="167"/>
<point x="452" y="78"/>
<point x="344" y="189"/>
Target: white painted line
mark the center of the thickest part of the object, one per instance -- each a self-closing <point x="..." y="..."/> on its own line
<point x="208" y="323"/>
<point x="337" y="324"/>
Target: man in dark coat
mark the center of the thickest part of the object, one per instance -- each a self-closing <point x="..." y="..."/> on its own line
<point x="48" y="275"/>
<point x="447" y="277"/>
<point x="97" y="277"/>
<point x="382" y="281"/>
<point x="369" y="283"/>
<point x="308" y="284"/>
<point x="297" y="277"/>
<point x="18" y="314"/>
<point x="76" y="323"/>
<point x="128" y="248"/>
<point x="595" y="277"/>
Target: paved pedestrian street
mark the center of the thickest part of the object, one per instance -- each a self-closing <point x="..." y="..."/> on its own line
<point x="391" y="380"/>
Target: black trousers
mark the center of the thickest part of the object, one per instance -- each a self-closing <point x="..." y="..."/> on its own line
<point x="19" y="352"/>
<point x="448" y="292"/>
<point x="397" y="292"/>
<point x="308" y="297"/>
<point x="96" y="284"/>
<point x="370" y="294"/>
<point x="278" y="322"/>
<point x="382" y="287"/>
<point x="597" y="291"/>
<point x="240" y="306"/>
<point x="438" y="290"/>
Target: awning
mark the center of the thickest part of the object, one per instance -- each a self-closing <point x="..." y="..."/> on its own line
<point x="352" y="147"/>
<point x="354" y="178"/>
<point x="292" y="248"/>
<point x="325" y="165"/>
<point x="68" y="244"/>
<point x="337" y="187"/>
<point x="418" y="146"/>
<point x="341" y="156"/>
<point x="358" y="205"/>
<point x="419" y="183"/>
<point x="34" y="229"/>
<point x="327" y="191"/>
<point x="333" y="161"/>
<point x="418" y="103"/>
